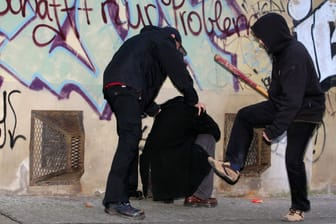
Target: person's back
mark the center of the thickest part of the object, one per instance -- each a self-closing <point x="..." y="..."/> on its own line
<point x="145" y="60"/>
<point x="177" y="164"/>
<point x="132" y="61"/>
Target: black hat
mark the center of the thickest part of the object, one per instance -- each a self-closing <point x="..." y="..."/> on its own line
<point x="178" y="38"/>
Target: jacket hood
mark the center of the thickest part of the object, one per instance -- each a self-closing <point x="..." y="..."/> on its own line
<point x="273" y="30"/>
<point x="166" y="31"/>
<point x="149" y="28"/>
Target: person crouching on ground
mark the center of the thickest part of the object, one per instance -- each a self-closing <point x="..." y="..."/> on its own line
<point x="175" y="154"/>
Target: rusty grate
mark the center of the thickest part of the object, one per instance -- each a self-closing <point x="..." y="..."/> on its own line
<point x="56" y="147"/>
<point x="259" y="155"/>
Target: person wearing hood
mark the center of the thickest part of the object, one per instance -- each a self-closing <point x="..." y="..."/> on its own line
<point x="131" y="82"/>
<point x="296" y="105"/>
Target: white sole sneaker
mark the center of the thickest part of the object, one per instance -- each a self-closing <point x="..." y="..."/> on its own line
<point x="293" y="216"/>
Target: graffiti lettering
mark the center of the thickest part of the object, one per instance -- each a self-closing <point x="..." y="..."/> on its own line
<point x="50" y="12"/>
<point x="10" y="8"/>
<point x="56" y="9"/>
<point x="86" y="10"/>
<point x="192" y="22"/>
<point x="264" y="6"/>
<point x="113" y="11"/>
<point x="42" y="8"/>
<point x="266" y="81"/>
<point x="3" y="122"/>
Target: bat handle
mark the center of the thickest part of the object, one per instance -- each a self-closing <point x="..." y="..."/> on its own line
<point x="262" y="91"/>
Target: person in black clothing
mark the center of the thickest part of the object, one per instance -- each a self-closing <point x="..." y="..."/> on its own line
<point x="176" y="152"/>
<point x="296" y="105"/>
<point x="131" y="82"/>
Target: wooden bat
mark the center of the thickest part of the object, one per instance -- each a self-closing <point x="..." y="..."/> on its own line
<point x="226" y="64"/>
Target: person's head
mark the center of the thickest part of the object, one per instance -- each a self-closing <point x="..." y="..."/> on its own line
<point x="174" y="33"/>
<point x="272" y="30"/>
<point x="149" y="28"/>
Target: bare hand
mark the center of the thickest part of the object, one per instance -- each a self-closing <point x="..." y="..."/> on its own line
<point x="265" y="137"/>
<point x="201" y="108"/>
<point x="157" y="112"/>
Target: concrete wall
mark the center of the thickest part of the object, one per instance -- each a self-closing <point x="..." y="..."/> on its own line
<point x="52" y="58"/>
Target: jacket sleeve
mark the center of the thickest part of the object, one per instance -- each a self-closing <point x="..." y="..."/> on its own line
<point x="173" y="64"/>
<point x="152" y="109"/>
<point x="288" y="99"/>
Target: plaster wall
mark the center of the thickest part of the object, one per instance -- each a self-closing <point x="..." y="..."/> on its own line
<point x="57" y="65"/>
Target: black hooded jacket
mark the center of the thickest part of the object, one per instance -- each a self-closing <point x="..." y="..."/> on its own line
<point x="143" y="63"/>
<point x="295" y="89"/>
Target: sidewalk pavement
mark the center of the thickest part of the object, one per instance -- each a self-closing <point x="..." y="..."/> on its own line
<point x="28" y="209"/>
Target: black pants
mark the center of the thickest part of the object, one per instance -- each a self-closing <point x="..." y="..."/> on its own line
<point x="298" y="135"/>
<point x="133" y="178"/>
<point x="127" y="109"/>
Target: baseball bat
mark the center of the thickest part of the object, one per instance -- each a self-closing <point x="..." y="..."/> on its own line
<point x="226" y="64"/>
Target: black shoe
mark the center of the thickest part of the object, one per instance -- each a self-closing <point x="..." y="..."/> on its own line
<point x="193" y="201"/>
<point x="137" y="195"/>
<point x="168" y="201"/>
<point x="125" y="210"/>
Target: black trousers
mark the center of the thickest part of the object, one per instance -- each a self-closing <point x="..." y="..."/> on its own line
<point x="133" y="177"/>
<point x="127" y="109"/>
<point x="298" y="135"/>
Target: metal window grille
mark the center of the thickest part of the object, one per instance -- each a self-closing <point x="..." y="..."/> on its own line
<point x="56" y="147"/>
<point x="259" y="155"/>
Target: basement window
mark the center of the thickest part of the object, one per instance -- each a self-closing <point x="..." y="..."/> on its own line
<point x="56" y="147"/>
<point x="259" y="155"/>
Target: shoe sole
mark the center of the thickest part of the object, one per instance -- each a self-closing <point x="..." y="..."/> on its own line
<point x="226" y="179"/>
<point x="139" y="217"/>
<point x="199" y="205"/>
<point x="287" y="220"/>
<point x="137" y="198"/>
<point x="220" y="174"/>
<point x="290" y="215"/>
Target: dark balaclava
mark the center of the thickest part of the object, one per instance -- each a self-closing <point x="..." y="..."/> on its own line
<point x="273" y="30"/>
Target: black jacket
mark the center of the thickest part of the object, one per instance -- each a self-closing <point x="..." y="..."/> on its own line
<point x="177" y="164"/>
<point x="295" y="89"/>
<point x="145" y="60"/>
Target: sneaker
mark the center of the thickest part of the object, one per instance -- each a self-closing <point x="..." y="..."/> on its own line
<point x="124" y="210"/>
<point x="224" y="171"/>
<point x="294" y="215"/>
<point x="136" y="195"/>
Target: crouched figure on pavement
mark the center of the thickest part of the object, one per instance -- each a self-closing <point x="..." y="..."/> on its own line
<point x="174" y="160"/>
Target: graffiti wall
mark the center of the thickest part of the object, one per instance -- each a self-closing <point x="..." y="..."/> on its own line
<point x="53" y="54"/>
